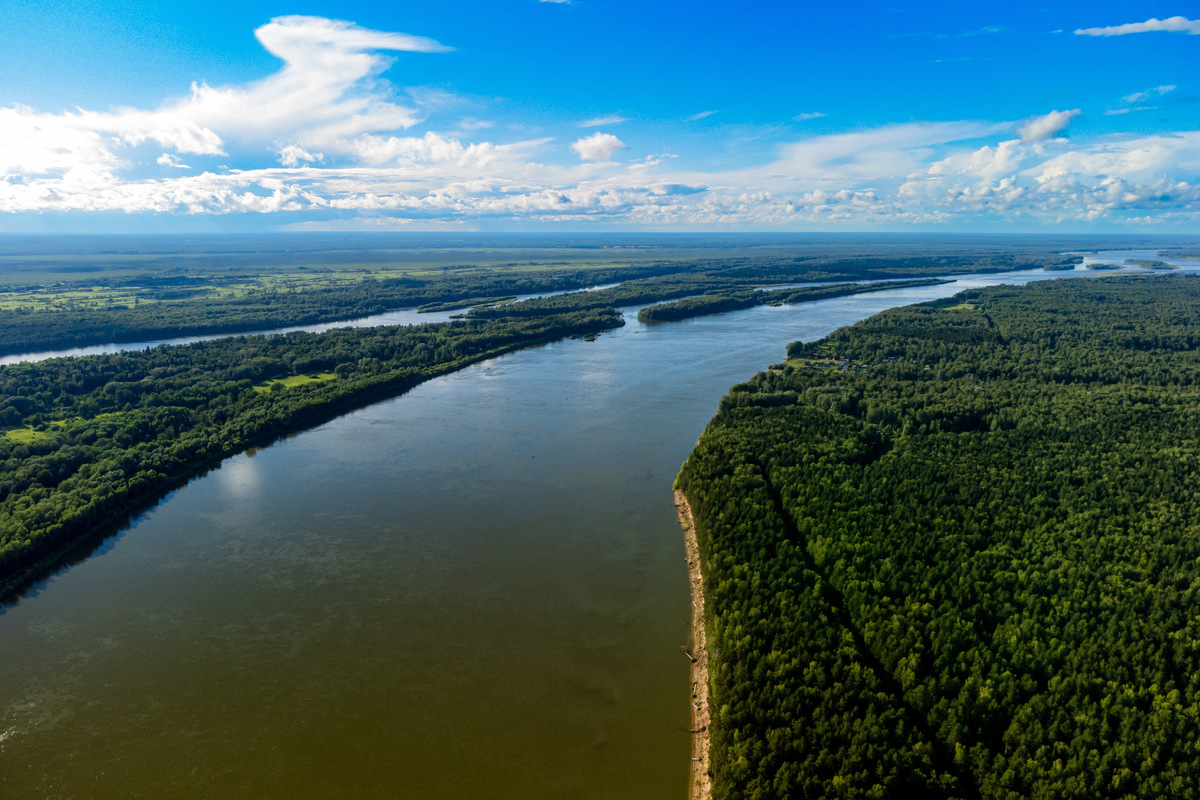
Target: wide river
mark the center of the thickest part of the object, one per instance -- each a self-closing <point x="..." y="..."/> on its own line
<point x="474" y="590"/>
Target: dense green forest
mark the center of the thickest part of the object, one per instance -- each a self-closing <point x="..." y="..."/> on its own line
<point x="954" y="551"/>
<point x="118" y="300"/>
<point x="89" y="439"/>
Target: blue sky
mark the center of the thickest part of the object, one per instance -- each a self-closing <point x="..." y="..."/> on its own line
<point x="599" y="115"/>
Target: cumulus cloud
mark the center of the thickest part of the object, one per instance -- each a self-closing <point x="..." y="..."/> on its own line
<point x="1170" y="24"/>
<point x="1055" y="182"/>
<point x="40" y="144"/>
<point x="85" y="142"/>
<point x="1041" y="128"/>
<point x="445" y="153"/>
<point x="597" y="147"/>
<point x="293" y="155"/>
<point x="948" y="178"/>
<point x="168" y="160"/>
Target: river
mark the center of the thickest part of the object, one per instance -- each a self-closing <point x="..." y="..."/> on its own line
<point x="474" y="590"/>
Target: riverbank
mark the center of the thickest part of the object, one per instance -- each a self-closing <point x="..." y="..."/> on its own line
<point x="700" y="783"/>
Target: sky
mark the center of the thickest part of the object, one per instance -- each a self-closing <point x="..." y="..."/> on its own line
<point x="605" y="115"/>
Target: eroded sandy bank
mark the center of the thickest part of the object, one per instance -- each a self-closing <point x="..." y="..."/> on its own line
<point x="700" y="784"/>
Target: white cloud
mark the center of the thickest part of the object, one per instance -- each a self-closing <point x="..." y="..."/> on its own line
<point x="699" y="116"/>
<point x="323" y="93"/>
<point x="950" y="179"/>
<point x="1141" y="97"/>
<point x="1041" y="128"/>
<point x="1055" y="182"/>
<point x="1170" y="24"/>
<point x="808" y="115"/>
<point x="40" y="144"/>
<point x="599" y="122"/>
<point x="168" y="160"/>
<point x="323" y="96"/>
<point x="865" y="156"/>
<point x="433" y="149"/>
<point x="292" y="155"/>
<point x="597" y="147"/>
<point x="86" y="142"/>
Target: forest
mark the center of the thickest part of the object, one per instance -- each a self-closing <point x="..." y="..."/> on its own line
<point x="87" y="440"/>
<point x="133" y="298"/>
<point x="954" y="551"/>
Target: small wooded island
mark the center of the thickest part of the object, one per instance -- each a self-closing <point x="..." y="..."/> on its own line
<point x="953" y="551"/>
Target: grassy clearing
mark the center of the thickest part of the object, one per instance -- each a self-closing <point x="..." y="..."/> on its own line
<point x="962" y="307"/>
<point x="55" y="298"/>
<point x="802" y="362"/>
<point x="294" y="380"/>
<point x="27" y="434"/>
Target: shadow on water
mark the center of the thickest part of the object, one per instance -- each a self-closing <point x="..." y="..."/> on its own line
<point x="103" y="538"/>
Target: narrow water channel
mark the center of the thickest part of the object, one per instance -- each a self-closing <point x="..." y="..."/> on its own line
<point x="475" y="590"/>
